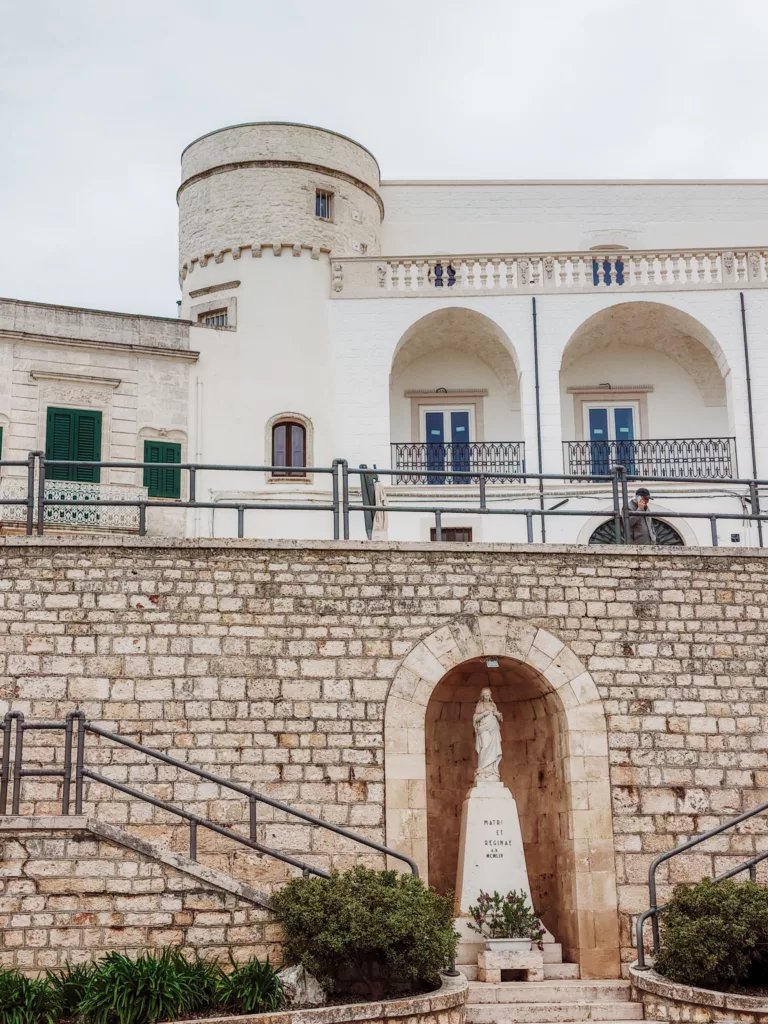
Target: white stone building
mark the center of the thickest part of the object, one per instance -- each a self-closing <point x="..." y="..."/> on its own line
<point x="429" y="327"/>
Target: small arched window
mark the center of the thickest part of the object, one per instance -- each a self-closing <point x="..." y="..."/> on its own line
<point x="289" y="448"/>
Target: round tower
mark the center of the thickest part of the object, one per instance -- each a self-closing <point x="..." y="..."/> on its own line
<point x="262" y="210"/>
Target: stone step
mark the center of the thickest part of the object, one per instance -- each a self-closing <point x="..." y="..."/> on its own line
<point x="565" y="991"/>
<point x="560" y="971"/>
<point x="551" y="1013"/>
<point x="552" y="971"/>
<point x="553" y="953"/>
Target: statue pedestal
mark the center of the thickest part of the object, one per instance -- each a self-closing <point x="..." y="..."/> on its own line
<point x="491" y="854"/>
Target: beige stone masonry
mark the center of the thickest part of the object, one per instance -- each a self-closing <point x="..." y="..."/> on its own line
<point x="72" y="889"/>
<point x="305" y="669"/>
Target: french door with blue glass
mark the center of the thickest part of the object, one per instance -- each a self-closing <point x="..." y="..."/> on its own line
<point x="447" y="443"/>
<point x="611" y="433"/>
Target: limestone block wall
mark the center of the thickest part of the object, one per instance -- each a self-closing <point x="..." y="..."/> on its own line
<point x="271" y="663"/>
<point x="73" y="890"/>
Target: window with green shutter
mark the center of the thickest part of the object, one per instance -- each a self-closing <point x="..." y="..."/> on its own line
<point x="162" y="483"/>
<point x="73" y="434"/>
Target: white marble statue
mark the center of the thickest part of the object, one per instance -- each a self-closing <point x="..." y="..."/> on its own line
<point x="487" y="738"/>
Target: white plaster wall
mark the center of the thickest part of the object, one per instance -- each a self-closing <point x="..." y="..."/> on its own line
<point x="675" y="406"/>
<point x="474" y="217"/>
<point x="276" y="361"/>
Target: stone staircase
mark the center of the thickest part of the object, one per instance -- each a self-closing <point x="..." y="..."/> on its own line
<point x="562" y="997"/>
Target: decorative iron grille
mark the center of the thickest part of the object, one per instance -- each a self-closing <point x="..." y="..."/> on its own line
<point x="427" y="463"/>
<point x="686" y="458"/>
<point x="87" y="515"/>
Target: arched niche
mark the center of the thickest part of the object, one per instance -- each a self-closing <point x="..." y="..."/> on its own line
<point x="569" y="746"/>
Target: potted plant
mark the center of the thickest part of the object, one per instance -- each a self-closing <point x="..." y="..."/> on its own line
<point x="506" y="922"/>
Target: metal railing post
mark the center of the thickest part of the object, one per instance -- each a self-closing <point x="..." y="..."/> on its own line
<point x="68" y="737"/>
<point x="31" y="491"/>
<point x="143" y="519"/>
<point x="482" y="492"/>
<point x="252" y="820"/>
<point x="529" y="526"/>
<point x="193" y="840"/>
<point x="17" y="762"/>
<point x="192" y="484"/>
<point x="622" y="475"/>
<point x="335" y="498"/>
<point x="713" y="530"/>
<point x="240" y="522"/>
<point x="754" y="498"/>
<point x="345" y="497"/>
<point x="438" y="524"/>
<point x="616" y="504"/>
<point x="79" y="761"/>
<point x="41" y="495"/>
<point x="5" y="761"/>
<point x="753" y="872"/>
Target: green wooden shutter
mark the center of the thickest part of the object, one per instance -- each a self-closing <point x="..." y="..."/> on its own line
<point x="73" y="434"/>
<point x="162" y="483"/>
<point x="87" y="444"/>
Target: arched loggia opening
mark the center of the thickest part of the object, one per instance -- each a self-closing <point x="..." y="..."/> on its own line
<point x="455" y="398"/>
<point x="644" y="385"/>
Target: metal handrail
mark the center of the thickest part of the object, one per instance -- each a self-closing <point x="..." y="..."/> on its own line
<point x="195" y="820"/>
<point x="654" y="910"/>
<point x="618" y="479"/>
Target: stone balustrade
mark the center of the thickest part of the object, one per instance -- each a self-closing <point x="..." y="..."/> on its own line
<point x="512" y="274"/>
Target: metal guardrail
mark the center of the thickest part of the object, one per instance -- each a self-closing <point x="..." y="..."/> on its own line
<point x="420" y="458"/>
<point x="13" y="769"/>
<point x="37" y="501"/>
<point x="688" y="458"/>
<point x="654" y="910"/>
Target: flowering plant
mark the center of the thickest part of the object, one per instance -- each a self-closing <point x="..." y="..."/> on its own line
<point x="506" y="917"/>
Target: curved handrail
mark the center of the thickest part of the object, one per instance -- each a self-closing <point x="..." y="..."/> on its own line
<point x="82" y="773"/>
<point x="654" y="909"/>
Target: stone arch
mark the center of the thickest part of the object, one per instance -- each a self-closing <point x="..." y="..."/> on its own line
<point x="591" y="935"/>
<point x="456" y="350"/>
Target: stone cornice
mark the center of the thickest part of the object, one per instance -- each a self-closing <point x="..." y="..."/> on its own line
<point x="185" y="354"/>
<point x="304" y="165"/>
<point x="75" y="378"/>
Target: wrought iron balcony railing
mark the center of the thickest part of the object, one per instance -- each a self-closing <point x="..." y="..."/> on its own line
<point x="685" y="458"/>
<point x="424" y="462"/>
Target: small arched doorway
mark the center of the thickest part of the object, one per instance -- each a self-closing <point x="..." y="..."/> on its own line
<point x="574" y="791"/>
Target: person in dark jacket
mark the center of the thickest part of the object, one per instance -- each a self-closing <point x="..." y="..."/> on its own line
<point x="641" y="529"/>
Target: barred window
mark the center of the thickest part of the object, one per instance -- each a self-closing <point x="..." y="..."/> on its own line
<point x="217" y="318"/>
<point x="323" y="204"/>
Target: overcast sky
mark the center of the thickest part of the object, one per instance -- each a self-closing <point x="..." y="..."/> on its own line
<point x="98" y="98"/>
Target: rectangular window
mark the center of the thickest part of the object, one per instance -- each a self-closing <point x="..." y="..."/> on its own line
<point x="166" y="482"/>
<point x="453" y="533"/>
<point x="73" y="434"/>
<point x="323" y="204"/>
<point x="218" y="318"/>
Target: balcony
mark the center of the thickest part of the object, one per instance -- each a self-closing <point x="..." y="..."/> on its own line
<point x="424" y="463"/>
<point x="532" y="273"/>
<point x="686" y="458"/>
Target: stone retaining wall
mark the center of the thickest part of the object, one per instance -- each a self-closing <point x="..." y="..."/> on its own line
<point x="446" y="1005"/>
<point x="667" y="1001"/>
<point x="271" y="663"/>
<point x="73" y="890"/>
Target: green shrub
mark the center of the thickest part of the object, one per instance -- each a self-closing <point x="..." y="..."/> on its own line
<point x="715" y="935"/>
<point x="24" y="1000"/>
<point x="119" y="990"/>
<point x="386" y="929"/>
<point x="253" y="987"/>
<point x="67" y="988"/>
